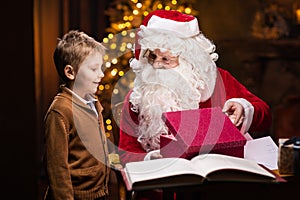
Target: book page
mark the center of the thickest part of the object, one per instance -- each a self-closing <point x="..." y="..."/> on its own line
<point x="207" y="163"/>
<point x="152" y="169"/>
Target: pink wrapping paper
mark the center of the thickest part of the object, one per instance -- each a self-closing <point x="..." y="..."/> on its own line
<point x="206" y="130"/>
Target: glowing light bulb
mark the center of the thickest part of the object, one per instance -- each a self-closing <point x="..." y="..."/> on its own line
<point x="121" y="73"/>
<point x="109" y="127"/>
<point x="107" y="64"/>
<point x="132" y="35"/>
<point x="113" y="46"/>
<point x="114" y="61"/>
<point x="129" y="45"/>
<point x="135" y="12"/>
<point x="110" y="36"/>
<point x="146" y="13"/>
<point x="101" y="87"/>
<point x="114" y="72"/>
<point x="122" y="48"/>
<point x="105" y="40"/>
<point x="188" y="10"/>
<point x="107" y="86"/>
<point x="116" y="91"/>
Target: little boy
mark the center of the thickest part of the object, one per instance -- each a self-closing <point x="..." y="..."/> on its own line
<point x="76" y="152"/>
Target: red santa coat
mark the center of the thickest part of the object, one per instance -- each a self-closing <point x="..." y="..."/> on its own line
<point x="226" y="87"/>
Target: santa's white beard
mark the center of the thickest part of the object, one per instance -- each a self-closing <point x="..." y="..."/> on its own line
<point x="162" y="90"/>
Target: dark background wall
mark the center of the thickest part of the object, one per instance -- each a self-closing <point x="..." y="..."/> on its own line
<point x="17" y="119"/>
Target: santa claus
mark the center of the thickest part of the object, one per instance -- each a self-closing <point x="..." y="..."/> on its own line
<point x="175" y="70"/>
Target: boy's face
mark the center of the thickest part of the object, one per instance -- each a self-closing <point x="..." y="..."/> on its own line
<point x="89" y="75"/>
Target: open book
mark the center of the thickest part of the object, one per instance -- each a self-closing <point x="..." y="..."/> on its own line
<point x="174" y="172"/>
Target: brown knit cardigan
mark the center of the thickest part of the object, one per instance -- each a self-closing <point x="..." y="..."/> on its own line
<point x="76" y="153"/>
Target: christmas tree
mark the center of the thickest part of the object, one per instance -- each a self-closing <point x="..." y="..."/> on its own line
<point x="125" y="17"/>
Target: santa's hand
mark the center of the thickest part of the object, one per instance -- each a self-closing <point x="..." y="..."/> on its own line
<point x="235" y="112"/>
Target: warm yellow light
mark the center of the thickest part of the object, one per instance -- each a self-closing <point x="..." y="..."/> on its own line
<point x="121" y="73"/>
<point x="135" y="12"/>
<point x="121" y="26"/>
<point x="107" y="86"/>
<point x="130" y="18"/>
<point x="107" y="64"/>
<point x="109" y="127"/>
<point x="116" y="91"/>
<point x="110" y="36"/>
<point x="298" y="16"/>
<point x="188" y="10"/>
<point x="146" y="13"/>
<point x="113" y="46"/>
<point x="105" y="40"/>
<point x="159" y="6"/>
<point x="125" y="18"/>
<point x="167" y="8"/>
<point x="108" y="121"/>
<point x="105" y="57"/>
<point x="122" y="48"/>
<point x="114" y="72"/>
<point x="101" y="87"/>
<point x="114" y="61"/>
<point x="124" y="33"/>
<point x="127" y="24"/>
<point x="132" y="35"/>
<point x="134" y="1"/>
<point x="174" y="2"/>
<point x="129" y="45"/>
<point x="139" y="5"/>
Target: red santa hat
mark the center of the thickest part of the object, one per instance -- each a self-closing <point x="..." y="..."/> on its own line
<point x="180" y="24"/>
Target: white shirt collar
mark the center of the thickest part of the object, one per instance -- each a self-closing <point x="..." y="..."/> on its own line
<point x="90" y="97"/>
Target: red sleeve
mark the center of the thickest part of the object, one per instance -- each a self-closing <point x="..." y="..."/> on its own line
<point x="234" y="89"/>
<point x="129" y="148"/>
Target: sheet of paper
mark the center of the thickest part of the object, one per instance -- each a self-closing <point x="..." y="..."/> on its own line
<point x="262" y="150"/>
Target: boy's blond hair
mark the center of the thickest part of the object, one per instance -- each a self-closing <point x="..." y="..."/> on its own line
<point x="72" y="49"/>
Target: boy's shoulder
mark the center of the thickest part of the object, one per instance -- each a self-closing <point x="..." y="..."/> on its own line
<point x="62" y="102"/>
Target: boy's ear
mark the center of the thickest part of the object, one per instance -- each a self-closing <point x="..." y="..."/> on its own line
<point x="69" y="72"/>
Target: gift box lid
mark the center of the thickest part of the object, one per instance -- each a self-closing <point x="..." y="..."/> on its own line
<point x="203" y="128"/>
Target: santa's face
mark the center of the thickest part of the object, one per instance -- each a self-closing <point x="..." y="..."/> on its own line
<point x="161" y="59"/>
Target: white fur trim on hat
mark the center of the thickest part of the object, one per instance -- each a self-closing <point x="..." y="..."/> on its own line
<point x="182" y="29"/>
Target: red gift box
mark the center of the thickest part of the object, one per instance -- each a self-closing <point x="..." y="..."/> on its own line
<point x="206" y="130"/>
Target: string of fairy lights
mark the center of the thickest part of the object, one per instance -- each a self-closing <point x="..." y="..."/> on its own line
<point x="125" y="17"/>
